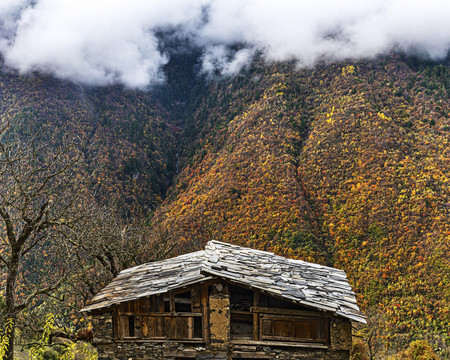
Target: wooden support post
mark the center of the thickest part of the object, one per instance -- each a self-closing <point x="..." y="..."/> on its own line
<point x="172" y="302"/>
<point x="190" y="327"/>
<point x="205" y="313"/>
<point x="255" y="316"/>
<point x="160" y="321"/>
<point x="160" y="302"/>
<point x="327" y="331"/>
<point x="115" y="322"/>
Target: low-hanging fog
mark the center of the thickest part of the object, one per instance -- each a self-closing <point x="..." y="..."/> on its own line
<point x="102" y="42"/>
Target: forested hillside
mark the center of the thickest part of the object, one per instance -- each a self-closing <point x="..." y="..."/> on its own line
<point x="134" y="143"/>
<point x="345" y="164"/>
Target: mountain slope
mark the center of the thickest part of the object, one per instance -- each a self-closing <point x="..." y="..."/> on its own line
<point x="128" y="130"/>
<point x="377" y="162"/>
<point x="241" y="185"/>
<point x="344" y="164"/>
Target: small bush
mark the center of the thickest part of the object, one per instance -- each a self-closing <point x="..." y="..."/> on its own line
<point x="359" y="351"/>
<point x="418" y="350"/>
<point x="50" y="354"/>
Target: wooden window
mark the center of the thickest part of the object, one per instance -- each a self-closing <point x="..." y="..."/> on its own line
<point x="272" y="302"/>
<point x="241" y="324"/>
<point x="172" y="327"/>
<point x="167" y="303"/>
<point x="131" y="326"/>
<point x="183" y="302"/>
<point x="293" y="328"/>
<point x="175" y="315"/>
<point x="126" y="326"/>
<point x="241" y="299"/>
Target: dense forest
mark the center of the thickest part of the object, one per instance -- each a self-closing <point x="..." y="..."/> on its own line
<point x="344" y="164"/>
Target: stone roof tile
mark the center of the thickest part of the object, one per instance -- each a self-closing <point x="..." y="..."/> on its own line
<point x="312" y="285"/>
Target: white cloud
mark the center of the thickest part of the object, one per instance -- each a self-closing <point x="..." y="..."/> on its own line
<point x="225" y="61"/>
<point x="115" y="41"/>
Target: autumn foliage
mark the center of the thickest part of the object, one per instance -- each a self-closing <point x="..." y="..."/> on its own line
<point x="345" y="164"/>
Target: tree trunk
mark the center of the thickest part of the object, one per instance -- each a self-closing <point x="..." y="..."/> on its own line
<point x="10" y="350"/>
<point x="11" y="281"/>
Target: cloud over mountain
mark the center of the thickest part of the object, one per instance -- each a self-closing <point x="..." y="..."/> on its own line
<point x="101" y="42"/>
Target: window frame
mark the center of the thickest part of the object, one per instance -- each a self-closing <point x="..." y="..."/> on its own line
<point x="149" y="316"/>
<point x="321" y="326"/>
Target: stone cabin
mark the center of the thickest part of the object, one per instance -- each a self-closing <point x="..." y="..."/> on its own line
<point x="225" y="302"/>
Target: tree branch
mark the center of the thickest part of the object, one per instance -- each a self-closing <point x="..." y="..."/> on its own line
<point x="9" y="226"/>
<point x="38" y="292"/>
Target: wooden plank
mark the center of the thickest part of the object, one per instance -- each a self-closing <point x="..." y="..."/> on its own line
<point x="138" y="326"/>
<point x="160" y="327"/>
<point x="172" y="302"/>
<point x="153" y="303"/>
<point x="205" y="310"/>
<point x="144" y="305"/>
<point x="123" y="308"/>
<point x="160" y="302"/>
<point x="148" y="327"/>
<point x="167" y="314"/>
<point x="288" y="328"/>
<point x="115" y="322"/>
<point x="255" y="316"/>
<point x="175" y="327"/>
<point x="159" y="340"/>
<point x="124" y="331"/>
<point x="190" y="327"/>
<point x="287" y="340"/>
<point x="280" y="343"/>
<point x="169" y="330"/>
<point x="196" y="301"/>
<point x="134" y="306"/>
<point x="267" y="310"/>
<point x="327" y="331"/>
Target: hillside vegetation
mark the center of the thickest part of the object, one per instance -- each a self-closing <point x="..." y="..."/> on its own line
<point x="135" y="146"/>
<point x="346" y="165"/>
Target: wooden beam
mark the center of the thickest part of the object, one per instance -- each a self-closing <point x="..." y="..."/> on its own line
<point x="279" y="343"/>
<point x="160" y="299"/>
<point x="164" y="314"/>
<point x="172" y="302"/>
<point x="327" y="331"/>
<point x="255" y="316"/>
<point x="195" y="296"/>
<point x="160" y="321"/>
<point x="190" y="327"/>
<point x="115" y="322"/>
<point x="161" y="340"/>
<point x="267" y="310"/>
<point x="205" y="312"/>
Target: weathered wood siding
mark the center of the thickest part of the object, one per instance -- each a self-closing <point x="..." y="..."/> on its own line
<point x="216" y="325"/>
<point x="110" y="349"/>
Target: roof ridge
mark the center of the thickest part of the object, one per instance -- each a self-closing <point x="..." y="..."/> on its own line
<point x="221" y="243"/>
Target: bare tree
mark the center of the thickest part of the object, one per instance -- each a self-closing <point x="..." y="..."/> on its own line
<point x="370" y="334"/>
<point x="109" y="243"/>
<point x="41" y="192"/>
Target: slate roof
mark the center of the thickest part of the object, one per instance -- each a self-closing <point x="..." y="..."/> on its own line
<point x="312" y="285"/>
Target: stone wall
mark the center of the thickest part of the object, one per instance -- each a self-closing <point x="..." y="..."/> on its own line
<point x="219" y="317"/>
<point x="340" y="334"/>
